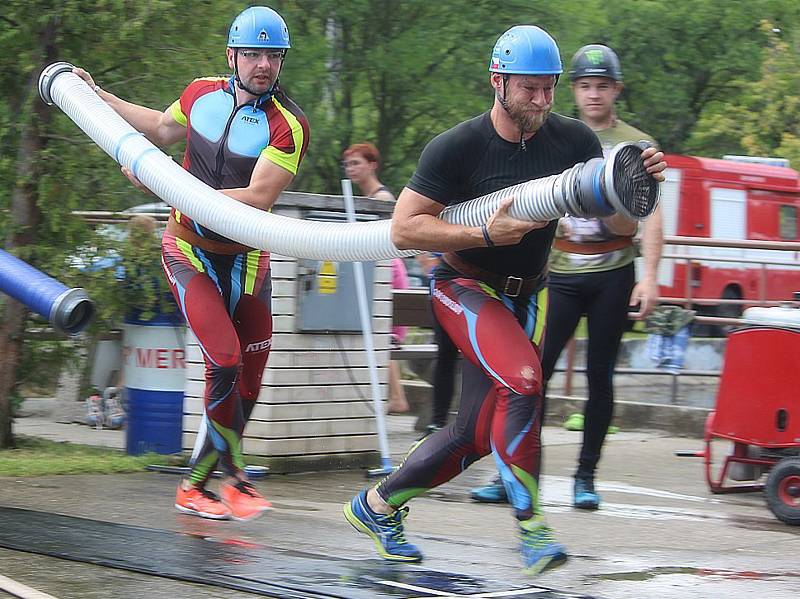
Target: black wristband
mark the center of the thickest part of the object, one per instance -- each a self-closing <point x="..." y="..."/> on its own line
<point x="486" y="238"/>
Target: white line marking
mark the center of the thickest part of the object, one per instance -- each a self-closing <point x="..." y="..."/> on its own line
<point x="489" y="595"/>
<point x="20" y="590"/>
<point x="411" y="587"/>
<point x="626" y="488"/>
<point x="557" y="488"/>
<point x="512" y="593"/>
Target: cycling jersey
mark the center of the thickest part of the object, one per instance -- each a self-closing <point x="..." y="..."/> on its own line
<point x="224" y="290"/>
<point x="224" y="141"/>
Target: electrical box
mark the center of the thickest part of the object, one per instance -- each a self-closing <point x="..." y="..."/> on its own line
<point x="326" y="290"/>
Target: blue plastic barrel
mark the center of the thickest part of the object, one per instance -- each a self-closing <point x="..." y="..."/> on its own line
<point x="154" y="373"/>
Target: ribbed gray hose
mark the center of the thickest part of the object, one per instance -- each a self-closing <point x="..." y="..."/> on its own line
<point x="536" y="200"/>
<point x="589" y="189"/>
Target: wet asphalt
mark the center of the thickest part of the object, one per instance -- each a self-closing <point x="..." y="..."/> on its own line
<point x="659" y="533"/>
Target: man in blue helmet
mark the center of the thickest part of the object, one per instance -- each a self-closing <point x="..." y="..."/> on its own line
<point x="592" y="274"/>
<point x="245" y="137"/>
<point x="488" y="293"/>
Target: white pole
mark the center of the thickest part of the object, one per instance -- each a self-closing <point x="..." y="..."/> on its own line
<point x="366" y="328"/>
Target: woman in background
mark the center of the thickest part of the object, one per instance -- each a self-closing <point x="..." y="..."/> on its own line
<point x="361" y="163"/>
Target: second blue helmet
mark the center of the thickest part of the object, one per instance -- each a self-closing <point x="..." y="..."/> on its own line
<point x="259" y="27"/>
<point x="526" y="50"/>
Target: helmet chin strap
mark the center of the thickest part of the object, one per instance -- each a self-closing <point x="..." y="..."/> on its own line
<point x="502" y="100"/>
<point x="241" y="83"/>
<point x="504" y="104"/>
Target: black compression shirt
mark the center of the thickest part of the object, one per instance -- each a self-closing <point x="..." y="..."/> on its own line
<point x="471" y="160"/>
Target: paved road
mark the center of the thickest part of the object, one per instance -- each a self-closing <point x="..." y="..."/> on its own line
<point x="659" y="533"/>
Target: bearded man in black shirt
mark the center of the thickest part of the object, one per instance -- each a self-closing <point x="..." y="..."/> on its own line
<point x="489" y="293"/>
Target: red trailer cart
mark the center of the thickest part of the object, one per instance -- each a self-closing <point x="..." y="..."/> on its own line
<point x="758" y="410"/>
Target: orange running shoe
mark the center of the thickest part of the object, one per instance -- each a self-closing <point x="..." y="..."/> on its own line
<point x="201" y="502"/>
<point x="244" y="502"/>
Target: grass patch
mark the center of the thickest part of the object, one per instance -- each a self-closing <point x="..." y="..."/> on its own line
<point x="38" y="457"/>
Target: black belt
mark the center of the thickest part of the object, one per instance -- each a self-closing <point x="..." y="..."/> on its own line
<point x="594" y="247"/>
<point x="509" y="285"/>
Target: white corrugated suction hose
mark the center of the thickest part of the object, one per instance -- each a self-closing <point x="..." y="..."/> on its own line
<point x="316" y="240"/>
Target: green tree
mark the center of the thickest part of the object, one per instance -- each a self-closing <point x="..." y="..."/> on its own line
<point x="142" y="50"/>
<point x="764" y="120"/>
<point x="681" y="57"/>
<point x="700" y="75"/>
<point x="394" y="73"/>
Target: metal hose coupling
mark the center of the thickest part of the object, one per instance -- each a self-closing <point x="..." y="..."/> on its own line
<point x="48" y="75"/>
<point x="68" y="310"/>
<point x="599" y="187"/>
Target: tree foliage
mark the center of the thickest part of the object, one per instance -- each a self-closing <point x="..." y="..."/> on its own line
<point x="393" y="73"/>
<point x="390" y="72"/>
<point x="764" y="120"/>
<point x="701" y="76"/>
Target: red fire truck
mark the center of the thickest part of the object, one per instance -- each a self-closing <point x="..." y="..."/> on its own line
<point x="735" y="198"/>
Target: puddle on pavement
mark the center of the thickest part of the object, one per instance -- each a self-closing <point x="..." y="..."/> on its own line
<point x="651" y="573"/>
<point x="205" y="554"/>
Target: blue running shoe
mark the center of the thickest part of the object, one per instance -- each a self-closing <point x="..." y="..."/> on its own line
<point x="585" y="497"/>
<point x="494" y="492"/>
<point x="539" y="549"/>
<point x="385" y="531"/>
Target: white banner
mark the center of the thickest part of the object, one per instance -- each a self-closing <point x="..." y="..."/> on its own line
<point x="153" y="357"/>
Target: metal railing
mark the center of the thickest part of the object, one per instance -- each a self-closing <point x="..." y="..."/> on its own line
<point x="99" y="217"/>
<point x="689" y="300"/>
<point x="673" y="373"/>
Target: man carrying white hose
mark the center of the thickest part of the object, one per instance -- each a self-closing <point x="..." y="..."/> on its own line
<point x="245" y="137"/>
<point x="489" y="293"/>
<point x="592" y="274"/>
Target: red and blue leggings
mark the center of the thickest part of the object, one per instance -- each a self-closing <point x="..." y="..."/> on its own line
<point x="501" y="398"/>
<point x="226" y="299"/>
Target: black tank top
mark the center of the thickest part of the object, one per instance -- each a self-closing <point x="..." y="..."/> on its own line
<point x="471" y="160"/>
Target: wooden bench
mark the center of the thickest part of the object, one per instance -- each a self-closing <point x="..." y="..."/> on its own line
<point x="419" y="351"/>
<point x="411" y="307"/>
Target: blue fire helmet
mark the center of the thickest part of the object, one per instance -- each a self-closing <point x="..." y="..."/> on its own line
<point x="526" y="50"/>
<point x="259" y="27"/>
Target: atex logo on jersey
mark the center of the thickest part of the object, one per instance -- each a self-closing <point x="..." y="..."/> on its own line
<point x="448" y="303"/>
<point x="258" y="346"/>
<point x="170" y="276"/>
<point x="250" y="119"/>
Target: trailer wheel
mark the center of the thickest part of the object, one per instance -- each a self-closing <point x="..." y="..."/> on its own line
<point x="783" y="491"/>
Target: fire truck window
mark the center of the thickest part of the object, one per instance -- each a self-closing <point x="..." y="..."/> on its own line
<point x="787" y="222"/>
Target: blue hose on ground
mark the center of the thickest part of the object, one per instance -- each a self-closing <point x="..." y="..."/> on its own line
<point x="68" y="310"/>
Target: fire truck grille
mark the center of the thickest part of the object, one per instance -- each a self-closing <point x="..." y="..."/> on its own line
<point x="634" y="186"/>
